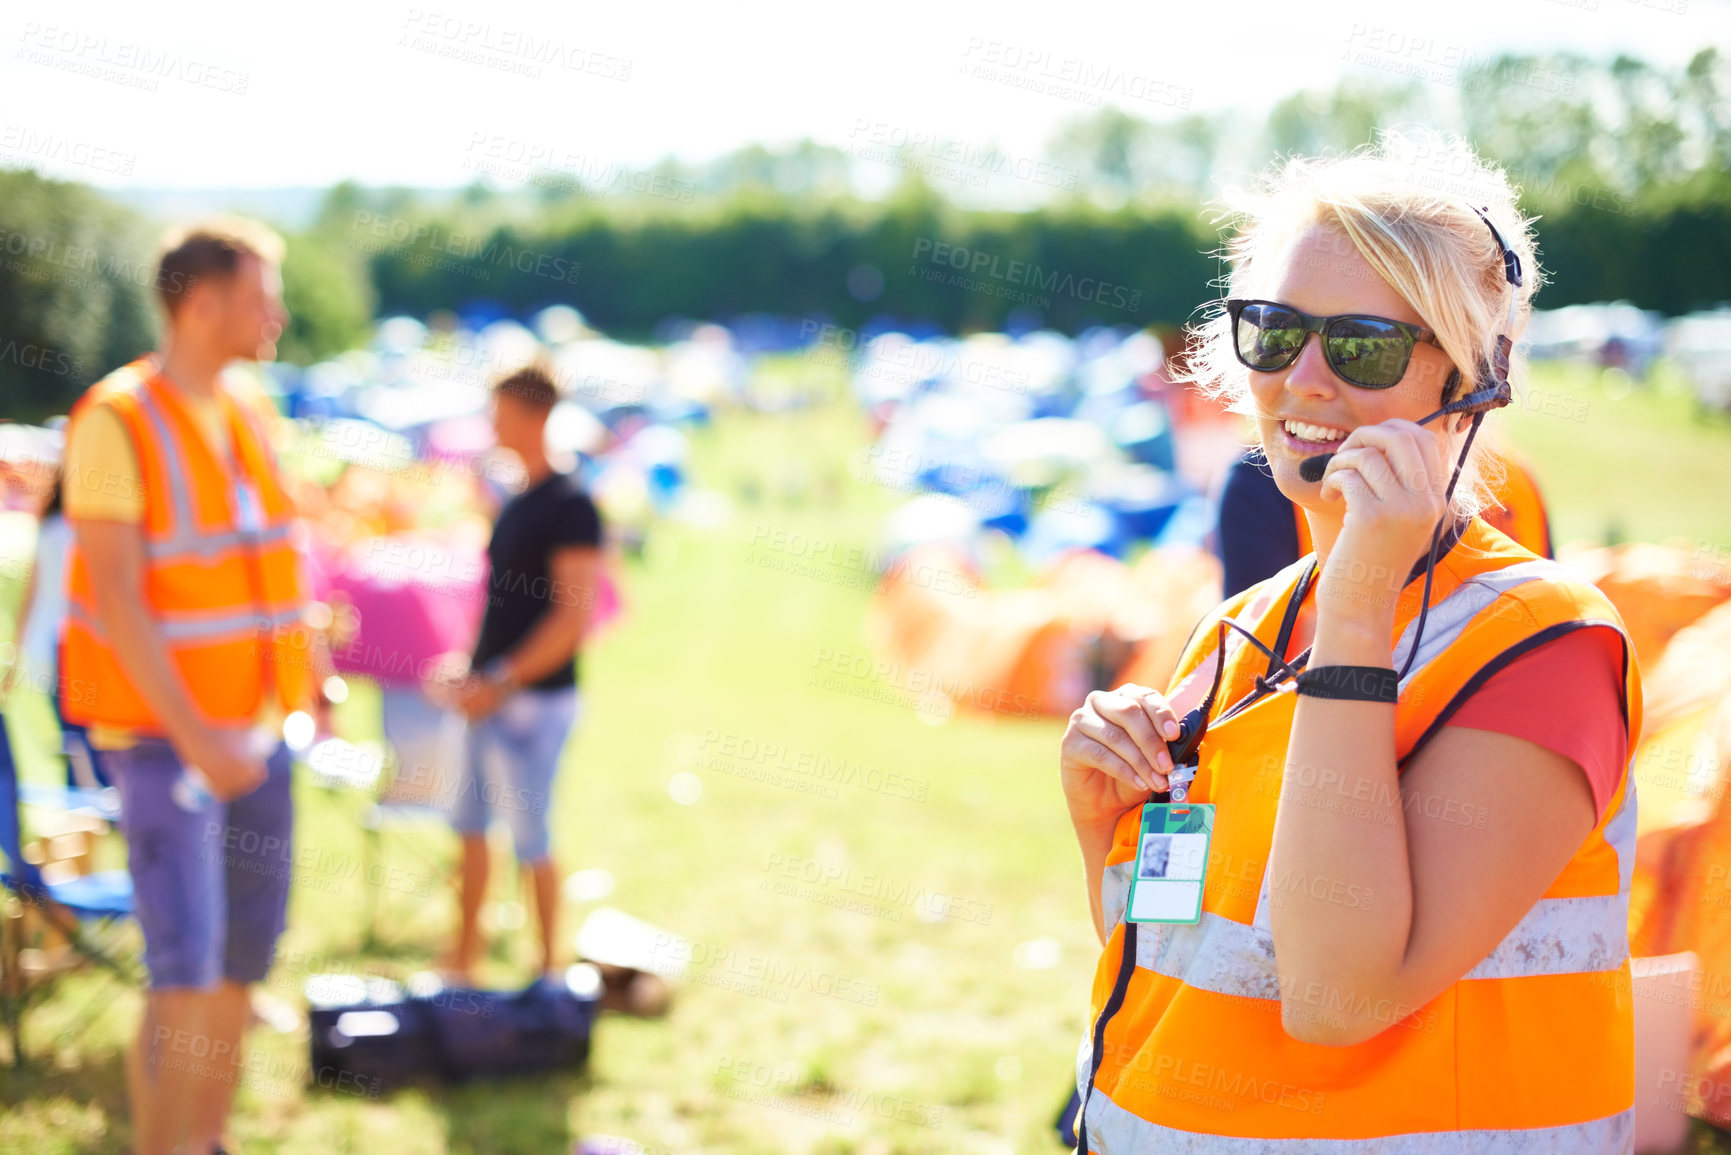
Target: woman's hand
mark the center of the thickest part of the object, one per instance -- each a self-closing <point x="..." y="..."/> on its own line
<point x="1114" y="752"/>
<point x="1392" y="476"/>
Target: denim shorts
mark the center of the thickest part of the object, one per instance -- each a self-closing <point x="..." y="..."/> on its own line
<point x="508" y="773"/>
<point x="210" y="886"/>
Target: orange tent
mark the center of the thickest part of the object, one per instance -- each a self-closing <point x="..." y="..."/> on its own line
<point x="1038" y="650"/>
<point x="1657" y="589"/>
<point x="1682" y="890"/>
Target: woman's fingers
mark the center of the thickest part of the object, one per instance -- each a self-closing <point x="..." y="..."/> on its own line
<point x="1142" y="724"/>
<point x="1109" y="750"/>
<point x="1155" y="705"/>
<point x="1092" y="752"/>
<point x="1370" y="465"/>
<point x="1349" y="484"/>
<point x="1413" y="455"/>
<point x="1123" y="734"/>
<point x="1118" y="722"/>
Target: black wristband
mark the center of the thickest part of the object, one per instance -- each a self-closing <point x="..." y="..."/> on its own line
<point x="1350" y="683"/>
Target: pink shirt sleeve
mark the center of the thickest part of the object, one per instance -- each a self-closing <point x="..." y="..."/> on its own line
<point x="1565" y="696"/>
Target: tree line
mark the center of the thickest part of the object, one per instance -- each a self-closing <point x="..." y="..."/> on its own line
<point x="1628" y="167"/>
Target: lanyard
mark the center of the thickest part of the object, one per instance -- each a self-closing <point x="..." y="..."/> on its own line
<point x="1186" y="747"/>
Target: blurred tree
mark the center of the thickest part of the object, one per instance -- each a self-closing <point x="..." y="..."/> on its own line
<point x="76" y="287"/>
<point x="1704" y="109"/>
<point x="476" y="194"/>
<point x="1648" y="135"/>
<point x="1185" y="153"/>
<point x="1536" y="116"/>
<point x="1110" y="148"/>
<point x="329" y="297"/>
<point x="1134" y="159"/>
<point x="336" y="213"/>
<point x="1314" y="123"/>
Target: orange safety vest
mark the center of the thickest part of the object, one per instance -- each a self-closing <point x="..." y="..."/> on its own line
<point x="226" y="597"/>
<point x="1531" y="1050"/>
<point x="1521" y="514"/>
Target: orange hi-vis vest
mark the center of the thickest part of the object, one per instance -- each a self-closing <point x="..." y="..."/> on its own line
<point x="1521" y="510"/>
<point x="1530" y="1051"/>
<point x="222" y="582"/>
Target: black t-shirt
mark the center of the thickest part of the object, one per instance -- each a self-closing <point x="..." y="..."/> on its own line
<point x="1257" y="535"/>
<point x="554" y="514"/>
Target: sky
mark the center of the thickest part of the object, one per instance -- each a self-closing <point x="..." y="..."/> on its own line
<point x="209" y="95"/>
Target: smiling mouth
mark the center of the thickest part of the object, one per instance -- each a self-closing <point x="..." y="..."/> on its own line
<point x="1310" y="434"/>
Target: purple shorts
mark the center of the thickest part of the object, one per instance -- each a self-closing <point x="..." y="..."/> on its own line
<point x="210" y="886"/>
<point x="512" y="757"/>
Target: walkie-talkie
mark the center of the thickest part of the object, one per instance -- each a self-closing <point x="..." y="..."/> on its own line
<point x="1184" y="750"/>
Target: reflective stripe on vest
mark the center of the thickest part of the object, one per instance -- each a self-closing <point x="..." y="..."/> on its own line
<point x="1446" y="620"/>
<point x="184" y="541"/>
<point x="1556" y="936"/>
<point x="1531" y="1049"/>
<point x="1115" y="1131"/>
<point x="200" y="627"/>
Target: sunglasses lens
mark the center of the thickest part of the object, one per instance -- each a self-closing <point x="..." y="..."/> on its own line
<point x="1268" y="336"/>
<point x="1368" y="352"/>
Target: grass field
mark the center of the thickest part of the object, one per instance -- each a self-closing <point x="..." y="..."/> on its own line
<point x="1619" y="459"/>
<point x="865" y="1014"/>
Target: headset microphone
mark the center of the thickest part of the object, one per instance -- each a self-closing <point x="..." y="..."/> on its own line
<point x="1482" y="400"/>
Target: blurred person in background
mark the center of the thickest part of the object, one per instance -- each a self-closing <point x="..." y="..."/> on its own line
<point x="40" y="615"/>
<point x="521" y="695"/>
<point x="1412" y="932"/>
<point x="185" y="627"/>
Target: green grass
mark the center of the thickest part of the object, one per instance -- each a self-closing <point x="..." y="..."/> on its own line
<point x="938" y="1021"/>
<point x="1625" y="460"/>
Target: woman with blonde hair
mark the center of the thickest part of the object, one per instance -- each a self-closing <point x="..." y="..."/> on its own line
<point x="1362" y="870"/>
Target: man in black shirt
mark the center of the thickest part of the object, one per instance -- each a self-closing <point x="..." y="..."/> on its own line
<point x="1257" y="532"/>
<point x="521" y="698"/>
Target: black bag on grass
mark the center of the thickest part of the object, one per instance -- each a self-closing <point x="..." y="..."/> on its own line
<point x="372" y="1041"/>
<point x="543" y="1027"/>
<point x="368" y="1036"/>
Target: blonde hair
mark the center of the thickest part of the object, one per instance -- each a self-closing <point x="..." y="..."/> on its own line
<point x="1406" y="205"/>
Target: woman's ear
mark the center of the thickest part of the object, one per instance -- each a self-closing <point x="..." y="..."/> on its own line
<point x="1452" y="383"/>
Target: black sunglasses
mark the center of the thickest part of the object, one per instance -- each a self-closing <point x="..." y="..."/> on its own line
<point x="1370" y="352"/>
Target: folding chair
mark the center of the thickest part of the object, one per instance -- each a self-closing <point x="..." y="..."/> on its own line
<point x="427" y="746"/>
<point x="52" y="894"/>
<point x="87" y="790"/>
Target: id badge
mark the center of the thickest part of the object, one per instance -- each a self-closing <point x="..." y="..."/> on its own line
<point x="1171" y="862"/>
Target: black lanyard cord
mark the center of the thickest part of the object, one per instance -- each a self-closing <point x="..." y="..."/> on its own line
<point x="1435" y="539"/>
<point x="1195" y="724"/>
